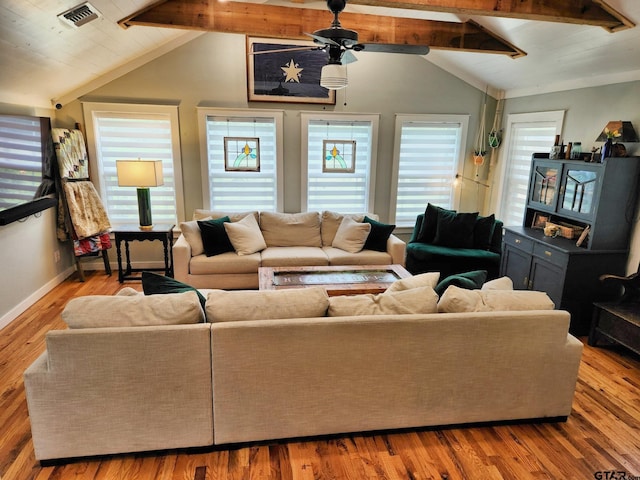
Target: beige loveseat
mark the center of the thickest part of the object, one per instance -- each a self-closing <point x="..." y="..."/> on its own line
<point x="290" y="239"/>
<point x="258" y="370"/>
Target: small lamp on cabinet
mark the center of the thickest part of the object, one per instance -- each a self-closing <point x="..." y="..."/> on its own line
<point x="141" y="174"/>
<point x="619" y="131"/>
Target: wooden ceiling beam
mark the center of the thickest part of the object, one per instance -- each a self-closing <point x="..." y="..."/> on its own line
<point x="580" y="12"/>
<point x="262" y="20"/>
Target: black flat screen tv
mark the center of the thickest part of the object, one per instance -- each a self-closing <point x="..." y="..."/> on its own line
<point x="26" y="160"/>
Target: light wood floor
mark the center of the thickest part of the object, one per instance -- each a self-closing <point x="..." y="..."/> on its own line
<point x="602" y="433"/>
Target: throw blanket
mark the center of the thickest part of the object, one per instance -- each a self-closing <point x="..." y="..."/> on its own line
<point x="85" y="209"/>
<point x="71" y="153"/>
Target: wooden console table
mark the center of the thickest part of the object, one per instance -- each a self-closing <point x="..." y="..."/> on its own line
<point x="128" y="233"/>
<point x="617" y="322"/>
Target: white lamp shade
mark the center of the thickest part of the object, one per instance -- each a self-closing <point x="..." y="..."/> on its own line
<point x="139" y="173"/>
<point x="333" y="76"/>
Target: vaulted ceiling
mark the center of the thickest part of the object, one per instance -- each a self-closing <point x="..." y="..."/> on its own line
<point x="517" y="47"/>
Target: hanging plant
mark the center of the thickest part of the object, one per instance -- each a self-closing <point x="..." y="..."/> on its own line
<point x="480" y="151"/>
<point x="495" y="136"/>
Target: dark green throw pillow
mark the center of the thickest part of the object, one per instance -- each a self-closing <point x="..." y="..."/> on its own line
<point x="483" y="232"/>
<point x="154" y="284"/>
<point x="429" y="224"/>
<point x="455" y="230"/>
<point x="214" y="237"/>
<point x="378" y="236"/>
<point x="469" y="280"/>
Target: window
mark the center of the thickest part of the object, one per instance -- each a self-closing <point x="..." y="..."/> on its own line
<point x="428" y="151"/>
<point x="526" y="133"/>
<point x="21" y="156"/>
<point x="338" y="162"/>
<point x="238" y="181"/>
<point x="128" y="132"/>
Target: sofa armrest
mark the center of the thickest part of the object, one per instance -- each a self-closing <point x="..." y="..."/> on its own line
<point x="397" y="249"/>
<point x="181" y="259"/>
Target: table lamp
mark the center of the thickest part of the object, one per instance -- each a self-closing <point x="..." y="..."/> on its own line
<point x="141" y="174"/>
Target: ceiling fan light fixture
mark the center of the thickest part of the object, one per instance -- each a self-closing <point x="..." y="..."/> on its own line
<point x="333" y="76"/>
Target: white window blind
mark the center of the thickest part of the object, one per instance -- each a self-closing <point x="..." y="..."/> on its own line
<point x="524" y="140"/>
<point x="243" y="190"/>
<point x="130" y="137"/>
<point x="343" y="191"/>
<point x="20" y="159"/>
<point x="428" y="153"/>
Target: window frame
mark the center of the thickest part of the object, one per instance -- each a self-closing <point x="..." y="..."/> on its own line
<point x="95" y="168"/>
<point x="278" y="117"/>
<point x="461" y="119"/>
<point x="305" y="118"/>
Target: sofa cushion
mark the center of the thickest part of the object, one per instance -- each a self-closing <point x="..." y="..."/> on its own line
<point x="455" y="229"/>
<point x="502" y="283"/>
<point x="153" y="284"/>
<point x="229" y="262"/>
<point x="214" y="236"/>
<point x="483" y="232"/>
<point x="459" y="300"/>
<point x="429" y="279"/>
<point x="291" y="229"/>
<point x="96" y="311"/>
<point x="201" y="214"/>
<point x="351" y="235"/>
<point x="128" y="292"/>
<point x="413" y="301"/>
<point x="378" y="236"/>
<point x="338" y="256"/>
<point x="470" y="280"/>
<point x="245" y="236"/>
<point x="293" y="257"/>
<point x="430" y="223"/>
<point x="229" y="306"/>
<point x="193" y="236"/>
<point x="331" y="222"/>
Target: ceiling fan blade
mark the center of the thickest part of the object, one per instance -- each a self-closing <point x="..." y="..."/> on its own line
<point x="326" y="41"/>
<point x="395" y="48"/>
<point x="348" y="57"/>
<point x="279" y="50"/>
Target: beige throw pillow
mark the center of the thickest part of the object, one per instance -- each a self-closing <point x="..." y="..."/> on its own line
<point x="245" y="236"/>
<point x="351" y="235"/>
<point x="95" y="311"/>
<point x="193" y="236"/>
<point x="429" y="279"/>
<point x="459" y="300"/>
<point x="230" y="306"/>
<point x="200" y="214"/>
<point x="413" y="301"/>
<point x="291" y="229"/>
<point x="331" y="222"/>
<point x="502" y="283"/>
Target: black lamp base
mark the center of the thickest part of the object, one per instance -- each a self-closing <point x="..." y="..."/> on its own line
<point x="144" y="208"/>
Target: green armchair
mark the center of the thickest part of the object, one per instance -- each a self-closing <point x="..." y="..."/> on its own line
<point x="477" y="248"/>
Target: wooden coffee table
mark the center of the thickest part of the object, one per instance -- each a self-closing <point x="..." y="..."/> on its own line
<point x="338" y="280"/>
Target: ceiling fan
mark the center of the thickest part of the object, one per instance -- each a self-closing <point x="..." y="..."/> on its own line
<point x="339" y="43"/>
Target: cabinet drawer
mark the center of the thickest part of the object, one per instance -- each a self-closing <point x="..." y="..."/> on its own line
<point x="551" y="255"/>
<point x="518" y="241"/>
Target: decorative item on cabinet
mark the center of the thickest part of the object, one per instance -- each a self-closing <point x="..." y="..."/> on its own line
<point x="620" y="130"/>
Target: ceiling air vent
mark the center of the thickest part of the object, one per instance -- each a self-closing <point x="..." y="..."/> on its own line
<point x="79" y="15"/>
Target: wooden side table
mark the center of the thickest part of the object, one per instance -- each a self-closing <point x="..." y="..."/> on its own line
<point x="128" y="233"/>
<point x="616" y="322"/>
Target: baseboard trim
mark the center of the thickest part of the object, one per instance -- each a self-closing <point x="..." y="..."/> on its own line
<point x="16" y="311"/>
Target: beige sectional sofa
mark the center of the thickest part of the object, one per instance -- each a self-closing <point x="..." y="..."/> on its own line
<point x="290" y="239"/>
<point x="256" y="370"/>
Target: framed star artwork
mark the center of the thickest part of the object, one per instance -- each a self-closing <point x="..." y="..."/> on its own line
<point x="290" y="74"/>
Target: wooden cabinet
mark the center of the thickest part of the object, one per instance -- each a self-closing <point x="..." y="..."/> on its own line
<point x="599" y="196"/>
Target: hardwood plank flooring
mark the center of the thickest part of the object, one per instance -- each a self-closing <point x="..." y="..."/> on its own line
<point x="602" y="433"/>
